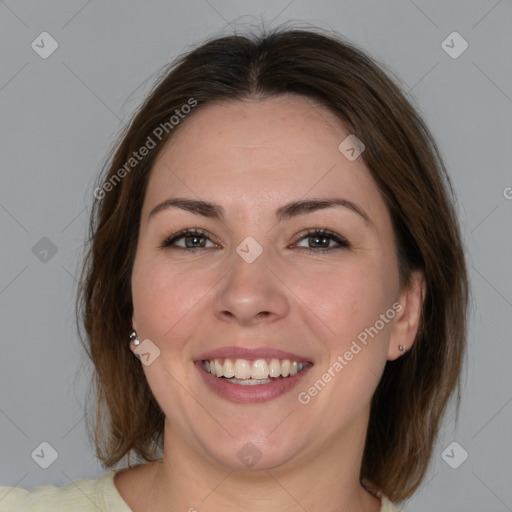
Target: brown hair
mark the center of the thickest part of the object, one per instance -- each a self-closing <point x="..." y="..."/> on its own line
<point x="403" y="159"/>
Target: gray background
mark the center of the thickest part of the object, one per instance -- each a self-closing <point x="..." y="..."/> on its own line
<point x="60" y="115"/>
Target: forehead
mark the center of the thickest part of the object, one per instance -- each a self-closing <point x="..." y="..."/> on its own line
<point x="261" y="129"/>
<point x="261" y="150"/>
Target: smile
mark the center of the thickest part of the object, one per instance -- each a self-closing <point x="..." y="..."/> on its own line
<point x="251" y="380"/>
<point x="246" y="372"/>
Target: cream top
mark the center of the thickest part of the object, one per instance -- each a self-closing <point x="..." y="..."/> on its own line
<point x="82" y="496"/>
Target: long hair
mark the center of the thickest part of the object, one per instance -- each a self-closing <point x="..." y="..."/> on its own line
<point x="412" y="396"/>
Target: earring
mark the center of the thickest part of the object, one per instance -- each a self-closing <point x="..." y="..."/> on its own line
<point x="401" y="348"/>
<point x="134" y="340"/>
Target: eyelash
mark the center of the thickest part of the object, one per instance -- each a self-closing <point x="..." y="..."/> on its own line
<point x="319" y="232"/>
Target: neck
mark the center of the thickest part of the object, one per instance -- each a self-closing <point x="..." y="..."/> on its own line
<point x="326" y="479"/>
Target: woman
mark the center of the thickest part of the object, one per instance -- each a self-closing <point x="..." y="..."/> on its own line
<point x="275" y="240"/>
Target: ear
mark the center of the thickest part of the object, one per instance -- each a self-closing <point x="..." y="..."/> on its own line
<point x="408" y="316"/>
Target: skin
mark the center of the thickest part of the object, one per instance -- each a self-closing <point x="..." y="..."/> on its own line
<point x="251" y="158"/>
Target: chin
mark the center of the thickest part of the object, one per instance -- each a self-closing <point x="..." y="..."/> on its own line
<point x="255" y="449"/>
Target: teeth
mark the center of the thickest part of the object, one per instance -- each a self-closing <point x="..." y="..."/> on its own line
<point x="242" y="369"/>
<point x="285" y="368"/>
<point x="229" y="369"/>
<point x="249" y="382"/>
<point x="259" y="371"/>
<point x="274" y="368"/>
<point x="219" y="369"/>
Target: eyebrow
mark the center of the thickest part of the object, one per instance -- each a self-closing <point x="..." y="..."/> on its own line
<point x="289" y="210"/>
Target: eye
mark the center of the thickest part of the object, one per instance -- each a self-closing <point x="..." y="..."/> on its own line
<point x="188" y="240"/>
<point x="321" y="240"/>
<point x="317" y="240"/>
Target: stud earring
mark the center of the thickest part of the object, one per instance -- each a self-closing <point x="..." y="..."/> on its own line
<point x="134" y="340"/>
<point x="401" y="348"/>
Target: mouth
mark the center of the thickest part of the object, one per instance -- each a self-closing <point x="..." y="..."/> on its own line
<point x="250" y="376"/>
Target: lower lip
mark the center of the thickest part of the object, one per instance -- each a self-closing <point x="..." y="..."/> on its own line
<point x="250" y="394"/>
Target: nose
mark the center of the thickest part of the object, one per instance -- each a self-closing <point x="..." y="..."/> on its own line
<point x="251" y="293"/>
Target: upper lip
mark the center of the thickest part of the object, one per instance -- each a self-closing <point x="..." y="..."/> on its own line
<point x="251" y="354"/>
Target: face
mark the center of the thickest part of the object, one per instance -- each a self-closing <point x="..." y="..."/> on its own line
<point x="290" y="265"/>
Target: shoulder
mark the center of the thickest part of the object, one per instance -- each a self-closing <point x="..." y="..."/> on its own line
<point x="387" y="506"/>
<point x="79" y="496"/>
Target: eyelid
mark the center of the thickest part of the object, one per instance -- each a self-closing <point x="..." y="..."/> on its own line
<point x="340" y="240"/>
<point x="169" y="241"/>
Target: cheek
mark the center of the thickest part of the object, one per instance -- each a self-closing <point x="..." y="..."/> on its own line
<point x="349" y="303"/>
<point x="346" y="301"/>
<point x="163" y="297"/>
